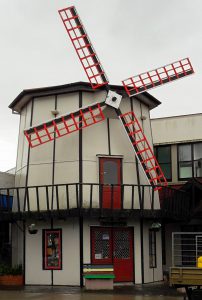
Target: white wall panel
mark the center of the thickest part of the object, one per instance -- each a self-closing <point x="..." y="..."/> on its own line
<point x="178" y="129"/>
<point x="34" y="274"/>
<point x="91" y="175"/>
<point x="95" y="141"/>
<point x="67" y="147"/>
<point x="41" y="113"/>
<point x="70" y="273"/>
<point x="152" y="274"/>
<point x="22" y="153"/>
<point x="137" y="251"/>
<point x="90" y="98"/>
<point x="120" y="144"/>
<point x="20" y="179"/>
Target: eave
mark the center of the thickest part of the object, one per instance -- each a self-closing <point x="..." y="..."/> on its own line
<point x="26" y="95"/>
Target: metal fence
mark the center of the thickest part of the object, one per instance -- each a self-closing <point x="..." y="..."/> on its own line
<point x="80" y="196"/>
<point x="186" y="249"/>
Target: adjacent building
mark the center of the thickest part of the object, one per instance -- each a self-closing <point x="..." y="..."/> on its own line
<point x="178" y="148"/>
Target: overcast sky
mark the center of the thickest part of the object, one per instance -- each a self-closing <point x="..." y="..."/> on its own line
<point x="129" y="36"/>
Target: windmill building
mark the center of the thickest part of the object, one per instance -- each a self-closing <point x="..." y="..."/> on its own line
<point x="88" y="188"/>
<point x="66" y="191"/>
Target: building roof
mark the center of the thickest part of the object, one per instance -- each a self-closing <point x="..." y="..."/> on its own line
<point x="177" y="129"/>
<point x="26" y="95"/>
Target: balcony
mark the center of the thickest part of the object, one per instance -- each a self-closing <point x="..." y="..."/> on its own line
<point x="94" y="200"/>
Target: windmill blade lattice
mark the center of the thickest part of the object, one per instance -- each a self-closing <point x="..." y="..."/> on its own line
<point x="85" y="117"/>
<point x="83" y="47"/>
<point x="151" y="79"/>
<point x="65" y="125"/>
<point x="142" y="149"/>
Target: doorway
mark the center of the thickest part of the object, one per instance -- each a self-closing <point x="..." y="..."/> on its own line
<point x="111" y="180"/>
<point x="114" y="246"/>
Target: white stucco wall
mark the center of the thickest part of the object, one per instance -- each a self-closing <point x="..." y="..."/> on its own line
<point x="7" y="180"/>
<point x="178" y="129"/>
<point x="70" y="273"/>
<point x="95" y="141"/>
<point x="152" y="274"/>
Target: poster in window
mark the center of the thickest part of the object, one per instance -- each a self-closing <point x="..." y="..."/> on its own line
<point x="105" y="236"/>
<point x="52" y="250"/>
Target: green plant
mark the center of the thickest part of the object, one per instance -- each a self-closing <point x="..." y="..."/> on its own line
<point x="9" y="270"/>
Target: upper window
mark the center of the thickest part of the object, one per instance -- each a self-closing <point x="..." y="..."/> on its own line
<point x="163" y="155"/>
<point x="190" y="160"/>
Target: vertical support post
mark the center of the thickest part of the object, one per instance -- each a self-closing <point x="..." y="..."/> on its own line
<point x="142" y="248"/>
<point x="24" y="251"/>
<point x="173" y="264"/>
<point x="53" y="165"/>
<point x="81" y="191"/>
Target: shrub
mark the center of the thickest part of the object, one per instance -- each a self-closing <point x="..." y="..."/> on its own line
<point x="9" y="270"/>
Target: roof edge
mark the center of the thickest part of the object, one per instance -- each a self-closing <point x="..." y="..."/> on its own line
<point x="80" y="85"/>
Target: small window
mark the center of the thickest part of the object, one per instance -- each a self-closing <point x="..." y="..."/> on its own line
<point x="152" y="248"/>
<point x="197" y="149"/>
<point x="190" y="160"/>
<point x="52" y="250"/>
<point x="163" y="156"/>
<point x="185" y="161"/>
<point x="110" y="172"/>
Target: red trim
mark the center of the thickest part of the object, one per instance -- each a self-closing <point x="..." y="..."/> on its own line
<point x="123" y="267"/>
<point x="48" y="232"/>
<point x="64" y="125"/>
<point x="83" y="47"/>
<point x="143" y="150"/>
<point x="145" y="81"/>
<point x="111" y="195"/>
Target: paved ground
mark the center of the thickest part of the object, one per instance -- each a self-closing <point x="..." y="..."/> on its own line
<point x="145" y="292"/>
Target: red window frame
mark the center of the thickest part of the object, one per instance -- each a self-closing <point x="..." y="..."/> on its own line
<point x="47" y="248"/>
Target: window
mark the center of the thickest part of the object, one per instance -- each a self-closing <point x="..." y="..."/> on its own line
<point x="52" y="250"/>
<point x="190" y="160"/>
<point x="152" y="248"/>
<point x="163" y="156"/>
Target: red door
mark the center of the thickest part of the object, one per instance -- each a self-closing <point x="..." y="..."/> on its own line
<point x="110" y="177"/>
<point x="114" y="246"/>
<point x="123" y="254"/>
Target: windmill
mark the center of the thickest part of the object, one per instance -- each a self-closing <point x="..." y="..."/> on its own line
<point x="93" y="114"/>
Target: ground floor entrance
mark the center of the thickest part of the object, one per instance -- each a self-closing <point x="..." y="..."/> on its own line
<point x="114" y="246"/>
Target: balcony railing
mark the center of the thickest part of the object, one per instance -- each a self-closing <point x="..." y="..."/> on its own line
<point x="96" y="199"/>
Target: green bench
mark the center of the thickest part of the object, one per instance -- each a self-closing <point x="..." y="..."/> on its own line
<point x="98" y="277"/>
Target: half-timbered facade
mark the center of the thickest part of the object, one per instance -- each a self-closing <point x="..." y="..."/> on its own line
<point x="85" y="193"/>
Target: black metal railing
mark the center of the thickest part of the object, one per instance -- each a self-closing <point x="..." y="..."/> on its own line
<point x="92" y="196"/>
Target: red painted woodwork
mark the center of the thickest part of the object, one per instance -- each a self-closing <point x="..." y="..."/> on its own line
<point x="83" y="47"/>
<point x="154" y="78"/>
<point x="64" y="125"/>
<point x="123" y="254"/>
<point x="101" y="246"/>
<point x="114" y="246"/>
<point x="52" y="249"/>
<point x="110" y="178"/>
<point x="143" y="150"/>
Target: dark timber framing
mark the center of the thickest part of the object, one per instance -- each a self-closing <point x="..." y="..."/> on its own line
<point x="26" y="184"/>
<point x="81" y="192"/>
<point x="141" y="219"/>
<point x="108" y="134"/>
<point x="53" y="163"/>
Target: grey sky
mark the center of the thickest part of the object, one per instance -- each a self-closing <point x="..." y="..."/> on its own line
<point x="129" y="36"/>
